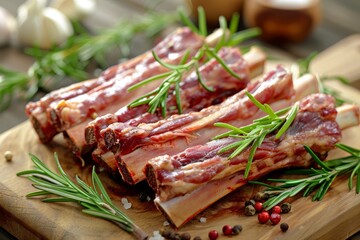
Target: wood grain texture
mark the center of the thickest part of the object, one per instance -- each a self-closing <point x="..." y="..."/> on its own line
<point x="341" y="59"/>
<point x="335" y="217"/>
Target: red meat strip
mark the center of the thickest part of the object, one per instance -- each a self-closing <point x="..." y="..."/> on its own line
<point x="137" y="145"/>
<point x="288" y="153"/>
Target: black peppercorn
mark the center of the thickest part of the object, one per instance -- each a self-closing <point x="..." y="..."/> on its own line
<point x="168" y="234"/>
<point x="185" y="236"/>
<point x="176" y="237"/>
<point x="284" y="227"/>
<point x="258" y="196"/>
<point x="236" y="229"/>
<point x="249" y="202"/>
<point x="261" y="196"/>
<point x="285" y="207"/>
<point x="265" y="196"/>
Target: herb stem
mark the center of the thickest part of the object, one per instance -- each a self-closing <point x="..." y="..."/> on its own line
<point x="318" y="180"/>
<point x="254" y="134"/>
<point x="304" y="67"/>
<point x="73" y="58"/>
<point x="94" y="199"/>
<point x="157" y="99"/>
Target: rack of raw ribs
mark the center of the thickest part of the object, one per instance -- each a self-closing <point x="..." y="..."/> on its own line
<point x="176" y="154"/>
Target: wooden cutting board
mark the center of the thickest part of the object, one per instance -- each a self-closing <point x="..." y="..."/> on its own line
<point x="335" y="217"/>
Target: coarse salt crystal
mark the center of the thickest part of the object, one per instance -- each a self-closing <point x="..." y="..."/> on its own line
<point x="166" y="223"/>
<point x="124" y="200"/>
<point x="127" y="205"/>
<point x="148" y="198"/>
<point x="202" y="220"/>
<point x="156" y="236"/>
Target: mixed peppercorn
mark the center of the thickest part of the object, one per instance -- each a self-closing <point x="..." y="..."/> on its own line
<point x="213" y="234"/>
<point x="255" y="205"/>
<point x="227" y="231"/>
<point x="8" y="156"/>
<point x="252" y="207"/>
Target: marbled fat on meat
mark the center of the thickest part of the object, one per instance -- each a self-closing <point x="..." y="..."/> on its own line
<point x="193" y="96"/>
<point x="46" y="114"/>
<point x="315" y="126"/>
<point x="179" y="132"/>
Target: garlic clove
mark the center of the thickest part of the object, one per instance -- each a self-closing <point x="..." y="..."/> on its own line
<point x="42" y="26"/>
<point x="75" y="9"/>
<point x="29" y="25"/>
<point x="57" y="27"/>
<point x="7" y="26"/>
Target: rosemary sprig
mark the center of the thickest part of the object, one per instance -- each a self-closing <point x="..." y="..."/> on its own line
<point x="253" y="135"/>
<point x="73" y="58"/>
<point x="304" y="67"/>
<point x="10" y="81"/>
<point x="304" y="63"/>
<point x="336" y="94"/>
<point x="157" y="98"/>
<point x="317" y="181"/>
<point x="95" y="200"/>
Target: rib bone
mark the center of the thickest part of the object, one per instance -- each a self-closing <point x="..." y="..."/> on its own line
<point x="46" y="114"/>
<point x="180" y="132"/>
<point x="182" y="173"/>
<point x="213" y="76"/>
<point x="178" y="210"/>
<point x="193" y="96"/>
<point x="103" y="101"/>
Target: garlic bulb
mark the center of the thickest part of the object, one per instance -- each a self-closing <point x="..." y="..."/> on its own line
<point x="42" y="26"/>
<point x="75" y="9"/>
<point x="7" y="26"/>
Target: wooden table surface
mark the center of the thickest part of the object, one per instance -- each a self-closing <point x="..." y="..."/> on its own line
<point x="341" y="18"/>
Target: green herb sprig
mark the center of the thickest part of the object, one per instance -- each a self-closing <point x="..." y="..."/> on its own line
<point x="10" y="82"/>
<point x="254" y="134"/>
<point x="317" y="181"/>
<point x="95" y="200"/>
<point x="304" y="67"/>
<point x="72" y="59"/>
<point x="157" y="98"/>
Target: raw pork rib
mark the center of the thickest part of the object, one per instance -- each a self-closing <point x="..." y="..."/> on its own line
<point x="43" y="114"/>
<point x="137" y="145"/>
<point x="74" y="111"/>
<point x="37" y="111"/>
<point x="75" y="135"/>
<point x="194" y="98"/>
<point x="319" y="130"/>
<point x="314" y="126"/>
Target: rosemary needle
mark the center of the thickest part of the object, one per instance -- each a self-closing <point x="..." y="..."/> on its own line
<point x="253" y="135"/>
<point x="157" y="98"/>
<point x="9" y="82"/>
<point x="317" y="181"/>
<point x="95" y="200"/>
